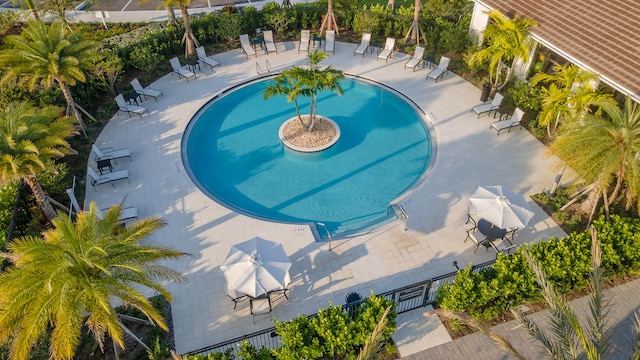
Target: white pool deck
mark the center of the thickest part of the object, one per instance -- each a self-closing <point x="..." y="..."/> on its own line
<point x="469" y="154"/>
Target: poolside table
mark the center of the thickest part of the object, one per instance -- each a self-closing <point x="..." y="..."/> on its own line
<point x="491" y="231"/>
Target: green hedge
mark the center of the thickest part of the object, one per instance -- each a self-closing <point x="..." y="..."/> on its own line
<point x="511" y="282"/>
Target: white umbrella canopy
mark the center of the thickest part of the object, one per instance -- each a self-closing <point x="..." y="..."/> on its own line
<point x="256" y="267"/>
<point x="501" y="207"/>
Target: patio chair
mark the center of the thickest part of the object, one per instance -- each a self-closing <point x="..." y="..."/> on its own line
<point x="416" y="59"/>
<point x="474" y="224"/>
<point x="260" y="306"/>
<point x="438" y="72"/>
<point x="110" y="154"/>
<point x="145" y="91"/>
<point x="246" y="46"/>
<point x="330" y="41"/>
<point x="305" y="38"/>
<point x="478" y="238"/>
<point x="495" y="104"/>
<point x="107" y="178"/>
<point x="269" y="43"/>
<point x="235" y="297"/>
<point x="509" y="124"/>
<point x="207" y="60"/>
<point x="503" y="246"/>
<point x="128" y="108"/>
<point x="385" y="54"/>
<point x="364" y="45"/>
<point x="180" y="70"/>
<point x="125" y="213"/>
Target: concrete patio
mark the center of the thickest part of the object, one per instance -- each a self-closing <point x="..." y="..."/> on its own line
<point x="469" y="154"/>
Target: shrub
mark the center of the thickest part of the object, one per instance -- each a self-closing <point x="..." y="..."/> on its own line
<point x="230" y="26"/>
<point x="145" y="58"/>
<point x="365" y="21"/>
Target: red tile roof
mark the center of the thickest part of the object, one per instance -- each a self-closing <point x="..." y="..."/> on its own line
<point x="601" y="35"/>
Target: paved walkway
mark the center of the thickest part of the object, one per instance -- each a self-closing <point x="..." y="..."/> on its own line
<point x="625" y="300"/>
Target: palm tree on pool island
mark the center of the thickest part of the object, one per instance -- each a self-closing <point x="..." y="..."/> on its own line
<point x="308" y="82"/>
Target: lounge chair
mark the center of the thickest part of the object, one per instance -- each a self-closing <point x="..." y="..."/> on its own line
<point x="416" y="59"/>
<point x="509" y="123"/>
<point x="246" y="46"/>
<point x="305" y="38"/>
<point x="207" y="60"/>
<point x="145" y="91"/>
<point x="180" y="70"/>
<point x="364" y="45"/>
<point x="495" y="105"/>
<point x="269" y="43"/>
<point x="126" y="213"/>
<point x="107" y="178"/>
<point x="438" y="72"/>
<point x="503" y="246"/>
<point x="260" y="306"/>
<point x="110" y="154"/>
<point x="235" y="297"/>
<point x="385" y="54"/>
<point x="128" y="108"/>
<point x="330" y="41"/>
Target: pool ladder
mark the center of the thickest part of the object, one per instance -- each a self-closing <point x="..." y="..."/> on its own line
<point x="399" y="211"/>
<point x="322" y="225"/>
<point x="267" y="66"/>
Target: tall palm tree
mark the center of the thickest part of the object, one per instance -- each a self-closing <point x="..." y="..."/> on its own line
<point x="30" y="139"/>
<point x="189" y="38"/>
<point x="329" y="21"/>
<point x="308" y="82"/>
<point x="568" y="94"/>
<point x="414" y="29"/>
<point x="507" y="41"/>
<point x="47" y="54"/>
<point x="569" y="338"/>
<point x="74" y="275"/>
<point x="604" y="150"/>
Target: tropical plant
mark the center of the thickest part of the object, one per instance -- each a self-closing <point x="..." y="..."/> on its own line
<point x="145" y="58"/>
<point x="229" y="26"/>
<point x="108" y="72"/>
<point x="568" y="94"/>
<point x="47" y="54"/>
<point x="507" y="42"/>
<point x="30" y="139"/>
<point x="58" y="8"/>
<point x="307" y="82"/>
<point x="603" y="150"/>
<point x="188" y="38"/>
<point x="73" y="274"/>
<point x="569" y="338"/>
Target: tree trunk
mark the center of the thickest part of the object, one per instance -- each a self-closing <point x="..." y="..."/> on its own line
<point x="171" y="15"/>
<point x="591" y="202"/>
<point x="391" y="5"/>
<point x="32" y="10"/>
<point x="41" y="197"/>
<point x="71" y="104"/>
<point x="189" y="37"/>
<point x="414" y="30"/>
<point x="329" y="21"/>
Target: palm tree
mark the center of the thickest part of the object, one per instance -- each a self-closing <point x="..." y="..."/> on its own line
<point x="414" y="30"/>
<point x="605" y="150"/>
<point x="569" y="338"/>
<point x="329" y="21"/>
<point x="30" y="139"/>
<point x="189" y="38"/>
<point x="569" y="93"/>
<point x="74" y="275"/>
<point x="308" y="82"/>
<point x="49" y="54"/>
<point x="507" y="42"/>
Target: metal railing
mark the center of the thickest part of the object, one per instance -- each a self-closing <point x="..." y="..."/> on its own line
<point x="407" y="298"/>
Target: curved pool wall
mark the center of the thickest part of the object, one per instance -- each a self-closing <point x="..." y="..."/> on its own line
<point x="230" y="174"/>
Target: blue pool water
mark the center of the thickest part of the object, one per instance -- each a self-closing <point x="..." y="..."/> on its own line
<point x="232" y="152"/>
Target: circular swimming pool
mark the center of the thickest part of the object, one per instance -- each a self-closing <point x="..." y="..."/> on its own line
<point x="232" y="152"/>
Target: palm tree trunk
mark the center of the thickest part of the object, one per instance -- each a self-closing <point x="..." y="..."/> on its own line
<point x="391" y="4"/>
<point x="329" y="22"/>
<point x="41" y="197"/>
<point x="189" y="37"/>
<point x="414" y="30"/>
<point x="591" y="202"/>
<point x="71" y="104"/>
<point x="171" y="15"/>
<point x="32" y="10"/>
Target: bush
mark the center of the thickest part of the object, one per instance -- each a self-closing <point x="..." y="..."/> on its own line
<point x="145" y="58"/>
<point x="366" y="21"/>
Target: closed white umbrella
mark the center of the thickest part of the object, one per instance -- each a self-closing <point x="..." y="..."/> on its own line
<point x="501" y="207"/>
<point x="256" y="267"/>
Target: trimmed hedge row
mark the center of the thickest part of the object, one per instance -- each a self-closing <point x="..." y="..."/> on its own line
<point x="511" y="281"/>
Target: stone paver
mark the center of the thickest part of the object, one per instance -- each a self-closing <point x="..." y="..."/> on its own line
<point x="625" y="302"/>
<point x="469" y="154"/>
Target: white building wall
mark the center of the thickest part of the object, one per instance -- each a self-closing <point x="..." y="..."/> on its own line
<point x="479" y="21"/>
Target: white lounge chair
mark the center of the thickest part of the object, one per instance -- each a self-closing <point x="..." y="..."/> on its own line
<point x="106" y="178"/>
<point x="269" y="43"/>
<point x="416" y="59"/>
<point x="495" y="105"/>
<point x="330" y="41"/>
<point x="246" y="46"/>
<point x="305" y="38"/>
<point x="125" y="213"/>
<point x="180" y="70"/>
<point x="203" y="58"/>
<point x="104" y="154"/>
<point x="364" y="45"/>
<point x="128" y="108"/>
<point x="385" y="54"/>
<point x="509" y="123"/>
<point x="438" y="72"/>
<point x="145" y="91"/>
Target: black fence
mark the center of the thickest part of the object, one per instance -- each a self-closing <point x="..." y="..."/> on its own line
<point x="407" y="298"/>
